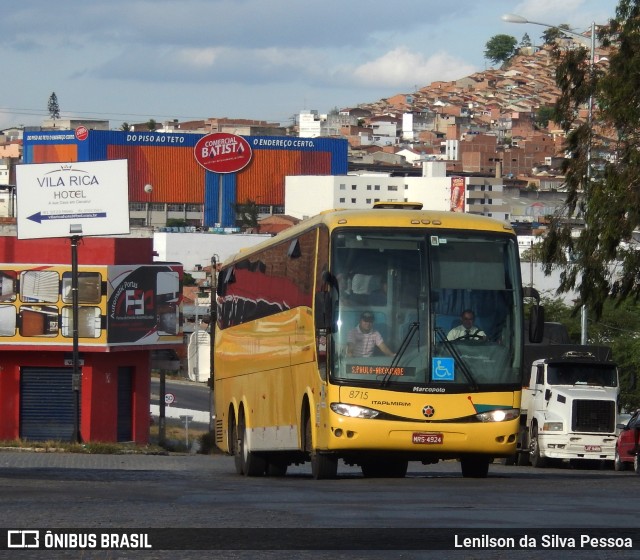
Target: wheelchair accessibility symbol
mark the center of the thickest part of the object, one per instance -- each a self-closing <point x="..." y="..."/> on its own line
<point x="442" y="369"/>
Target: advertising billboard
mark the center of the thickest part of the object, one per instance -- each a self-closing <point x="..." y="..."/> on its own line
<point x="117" y="305"/>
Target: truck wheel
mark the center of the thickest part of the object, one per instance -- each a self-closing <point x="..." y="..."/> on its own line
<point x="619" y="465"/>
<point x="537" y="461"/>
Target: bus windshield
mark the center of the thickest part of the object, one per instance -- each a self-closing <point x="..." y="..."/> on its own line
<point x="429" y="311"/>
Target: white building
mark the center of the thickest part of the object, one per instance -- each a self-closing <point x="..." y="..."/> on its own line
<point x="311" y="124"/>
<point x="193" y="249"/>
<point x="306" y="195"/>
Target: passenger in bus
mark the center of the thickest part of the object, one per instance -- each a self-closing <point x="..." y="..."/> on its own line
<point x="467" y="329"/>
<point x="379" y="295"/>
<point x="363" y="339"/>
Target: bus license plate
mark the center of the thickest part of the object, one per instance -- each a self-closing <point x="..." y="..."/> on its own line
<point x="595" y="448"/>
<point x="423" y="438"/>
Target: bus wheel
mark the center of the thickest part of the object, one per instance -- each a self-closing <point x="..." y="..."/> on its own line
<point x="475" y="466"/>
<point x="381" y="468"/>
<point x="322" y="465"/>
<point x="235" y="445"/>
<point x="252" y="463"/>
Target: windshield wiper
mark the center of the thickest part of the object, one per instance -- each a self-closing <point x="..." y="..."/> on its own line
<point x="403" y="348"/>
<point x="454" y="352"/>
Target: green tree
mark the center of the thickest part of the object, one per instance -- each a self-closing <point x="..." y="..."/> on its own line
<point x="545" y="114"/>
<point x="606" y="195"/>
<point x="53" y="107"/>
<point x="188" y="279"/>
<point x="552" y="34"/>
<point x="618" y="328"/>
<point x="152" y="125"/>
<point x="125" y="126"/>
<point x="526" y="41"/>
<point x="500" y="48"/>
<point x="247" y="215"/>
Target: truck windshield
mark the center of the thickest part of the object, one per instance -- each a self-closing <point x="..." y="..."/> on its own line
<point x="582" y="374"/>
<point x="403" y="297"/>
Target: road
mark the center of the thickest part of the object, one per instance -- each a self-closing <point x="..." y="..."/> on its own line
<point x="48" y="490"/>
<point x="190" y="395"/>
<point x="192" y="399"/>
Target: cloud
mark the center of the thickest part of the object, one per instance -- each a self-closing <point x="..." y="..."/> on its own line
<point x="402" y="68"/>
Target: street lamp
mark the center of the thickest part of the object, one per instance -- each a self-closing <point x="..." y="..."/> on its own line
<point x="591" y="44"/>
<point x="149" y="190"/>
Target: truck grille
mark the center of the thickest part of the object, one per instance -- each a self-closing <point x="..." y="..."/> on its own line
<point x="593" y="416"/>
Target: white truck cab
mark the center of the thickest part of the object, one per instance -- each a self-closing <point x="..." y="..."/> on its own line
<point x="569" y="409"/>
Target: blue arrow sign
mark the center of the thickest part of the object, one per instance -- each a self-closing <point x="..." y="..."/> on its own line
<point x="38" y="217"/>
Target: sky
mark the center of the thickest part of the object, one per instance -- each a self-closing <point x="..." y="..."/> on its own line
<point x="135" y="60"/>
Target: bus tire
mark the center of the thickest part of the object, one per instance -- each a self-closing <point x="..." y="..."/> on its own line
<point x="323" y="465"/>
<point x="253" y="464"/>
<point x="475" y="466"/>
<point x="234" y="443"/>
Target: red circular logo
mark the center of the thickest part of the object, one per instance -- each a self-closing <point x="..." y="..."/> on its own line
<point x="221" y="152"/>
<point x="428" y="411"/>
<point x="82" y="133"/>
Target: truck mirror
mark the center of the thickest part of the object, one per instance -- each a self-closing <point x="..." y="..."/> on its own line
<point x="547" y="394"/>
<point x="536" y="324"/>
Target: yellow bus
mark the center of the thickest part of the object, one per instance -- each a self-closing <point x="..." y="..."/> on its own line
<point x="333" y="341"/>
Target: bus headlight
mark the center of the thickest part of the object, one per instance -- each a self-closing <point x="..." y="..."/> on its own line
<point x="353" y="411"/>
<point x="500" y="415"/>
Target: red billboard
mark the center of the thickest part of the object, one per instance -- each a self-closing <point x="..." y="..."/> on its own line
<point x="222" y="152"/>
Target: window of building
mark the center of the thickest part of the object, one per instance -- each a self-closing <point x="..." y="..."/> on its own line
<point x="137" y="206"/>
<point x="175" y="207"/>
<point x="343" y="186"/>
<point x="368" y="187"/>
<point x="342" y="200"/>
<point x="193" y="207"/>
<point x="353" y="201"/>
<point x="368" y="201"/>
<point x="376" y="188"/>
<point x="354" y="187"/>
<point x="392" y="188"/>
